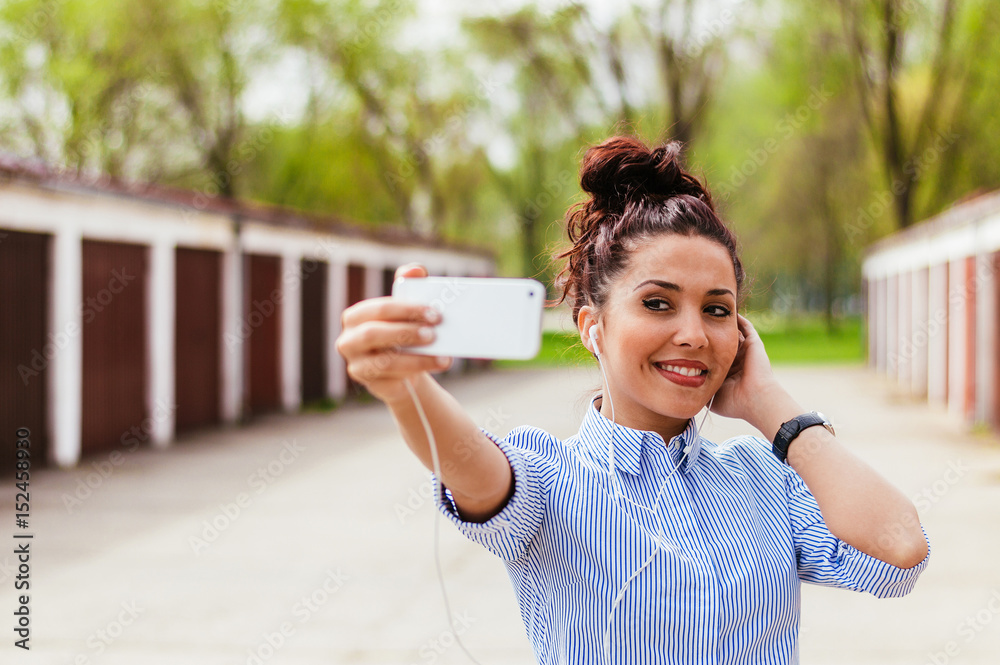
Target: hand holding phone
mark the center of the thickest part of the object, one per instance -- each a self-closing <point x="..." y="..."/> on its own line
<point x="481" y="317"/>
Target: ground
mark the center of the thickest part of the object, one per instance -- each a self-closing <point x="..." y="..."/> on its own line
<point x="309" y="539"/>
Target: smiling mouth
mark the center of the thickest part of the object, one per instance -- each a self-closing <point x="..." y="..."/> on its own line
<point x="683" y="371"/>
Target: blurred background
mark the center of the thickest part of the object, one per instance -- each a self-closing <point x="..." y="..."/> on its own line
<point x="467" y="120"/>
<point x="191" y="191"/>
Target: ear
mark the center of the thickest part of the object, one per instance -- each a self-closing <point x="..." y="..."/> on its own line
<point x="584" y="320"/>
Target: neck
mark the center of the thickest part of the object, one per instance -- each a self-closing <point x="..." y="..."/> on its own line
<point x="665" y="426"/>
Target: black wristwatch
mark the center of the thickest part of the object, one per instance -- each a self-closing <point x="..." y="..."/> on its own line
<point x="791" y="429"/>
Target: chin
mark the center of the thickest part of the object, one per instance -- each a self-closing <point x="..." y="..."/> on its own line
<point x="681" y="411"/>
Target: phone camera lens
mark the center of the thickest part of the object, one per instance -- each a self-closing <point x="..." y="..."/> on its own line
<point x="531" y="293"/>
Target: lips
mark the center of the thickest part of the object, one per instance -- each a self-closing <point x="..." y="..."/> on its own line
<point x="689" y="373"/>
<point x="686" y="371"/>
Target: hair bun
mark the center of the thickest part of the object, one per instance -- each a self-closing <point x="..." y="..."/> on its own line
<point x="623" y="168"/>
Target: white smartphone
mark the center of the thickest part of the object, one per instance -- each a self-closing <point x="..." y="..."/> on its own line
<point x="481" y="317"/>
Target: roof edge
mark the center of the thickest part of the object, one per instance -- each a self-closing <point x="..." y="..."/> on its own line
<point x="972" y="207"/>
<point x="37" y="173"/>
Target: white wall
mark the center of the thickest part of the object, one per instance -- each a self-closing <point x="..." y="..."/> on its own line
<point x="336" y="293"/>
<point x="65" y="408"/>
<point x="986" y="336"/>
<point x="290" y="363"/>
<point x="161" y="303"/>
<point x="904" y="338"/>
<point x="933" y="305"/>
<point x="880" y="317"/>
<point x="937" y="334"/>
<point x="892" y="326"/>
<point x="956" y="336"/>
<point x="231" y="344"/>
<point x="919" y="305"/>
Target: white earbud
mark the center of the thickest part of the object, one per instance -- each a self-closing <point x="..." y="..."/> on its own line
<point x="593" y="338"/>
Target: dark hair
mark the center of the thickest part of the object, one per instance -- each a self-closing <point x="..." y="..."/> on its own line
<point x="635" y="193"/>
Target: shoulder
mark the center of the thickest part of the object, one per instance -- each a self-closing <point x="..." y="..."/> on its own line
<point x="744" y="449"/>
<point x="529" y="439"/>
<point x="750" y="456"/>
<point x="532" y="448"/>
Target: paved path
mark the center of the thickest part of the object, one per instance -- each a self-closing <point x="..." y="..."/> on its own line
<point x="308" y="539"/>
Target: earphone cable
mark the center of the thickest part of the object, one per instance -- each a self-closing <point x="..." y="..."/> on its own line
<point x="661" y="541"/>
<point x="438" y="491"/>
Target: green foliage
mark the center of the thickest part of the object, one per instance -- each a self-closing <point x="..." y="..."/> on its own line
<point x="558" y="348"/>
<point x="479" y="139"/>
<point x="322" y="168"/>
<point x="806" y="339"/>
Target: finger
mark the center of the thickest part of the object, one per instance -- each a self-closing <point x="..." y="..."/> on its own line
<point x="393" y="365"/>
<point x="387" y="308"/>
<point x="377" y="335"/>
<point x="410" y="270"/>
<point x="744" y="325"/>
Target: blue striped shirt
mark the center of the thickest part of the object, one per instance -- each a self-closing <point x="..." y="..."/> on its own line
<point x="734" y="532"/>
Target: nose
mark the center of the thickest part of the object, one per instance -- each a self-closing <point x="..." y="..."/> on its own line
<point x="690" y="329"/>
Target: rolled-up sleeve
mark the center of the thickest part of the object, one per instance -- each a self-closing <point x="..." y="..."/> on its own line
<point x="508" y="533"/>
<point x="826" y="560"/>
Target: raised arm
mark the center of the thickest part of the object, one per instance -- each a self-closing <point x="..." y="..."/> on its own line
<point x="859" y="506"/>
<point x="373" y="330"/>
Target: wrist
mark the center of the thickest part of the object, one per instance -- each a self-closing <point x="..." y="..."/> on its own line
<point x="784" y="446"/>
<point x="771" y="407"/>
<point x="399" y="397"/>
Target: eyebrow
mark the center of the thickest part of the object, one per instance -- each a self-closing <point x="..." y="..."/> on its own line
<point x="670" y="286"/>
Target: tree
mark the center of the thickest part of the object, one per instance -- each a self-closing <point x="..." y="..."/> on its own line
<point x="146" y="90"/>
<point x="969" y="165"/>
<point x="876" y="33"/>
<point x="559" y="102"/>
<point x="77" y="91"/>
<point x="691" y="59"/>
<point x="413" y="123"/>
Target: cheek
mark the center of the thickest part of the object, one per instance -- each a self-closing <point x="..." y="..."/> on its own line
<point x="727" y="344"/>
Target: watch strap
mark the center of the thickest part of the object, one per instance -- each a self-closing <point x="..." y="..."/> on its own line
<point x="792" y="428"/>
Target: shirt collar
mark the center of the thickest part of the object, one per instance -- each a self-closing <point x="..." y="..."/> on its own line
<point x="628" y="442"/>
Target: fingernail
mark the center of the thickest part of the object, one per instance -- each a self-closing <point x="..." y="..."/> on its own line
<point x="426" y="334"/>
<point x="432" y="315"/>
<point x="443" y="361"/>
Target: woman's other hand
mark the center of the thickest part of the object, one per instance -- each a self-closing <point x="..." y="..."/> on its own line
<point x="750" y="378"/>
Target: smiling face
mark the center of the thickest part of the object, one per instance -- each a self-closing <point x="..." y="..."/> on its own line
<point x="667" y="333"/>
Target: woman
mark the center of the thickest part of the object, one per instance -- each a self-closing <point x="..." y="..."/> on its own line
<point x="638" y="540"/>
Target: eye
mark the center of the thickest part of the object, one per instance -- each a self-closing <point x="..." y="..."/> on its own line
<point x="656" y="304"/>
<point x="718" y="311"/>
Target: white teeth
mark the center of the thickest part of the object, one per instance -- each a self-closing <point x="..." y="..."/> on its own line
<point x="684" y="371"/>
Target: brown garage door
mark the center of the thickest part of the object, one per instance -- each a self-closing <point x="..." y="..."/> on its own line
<point x="314" y="274"/>
<point x="114" y="344"/>
<point x="262" y="316"/>
<point x="387" y="278"/>
<point x="24" y="349"/>
<point x="355" y="293"/>
<point x="196" y="338"/>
